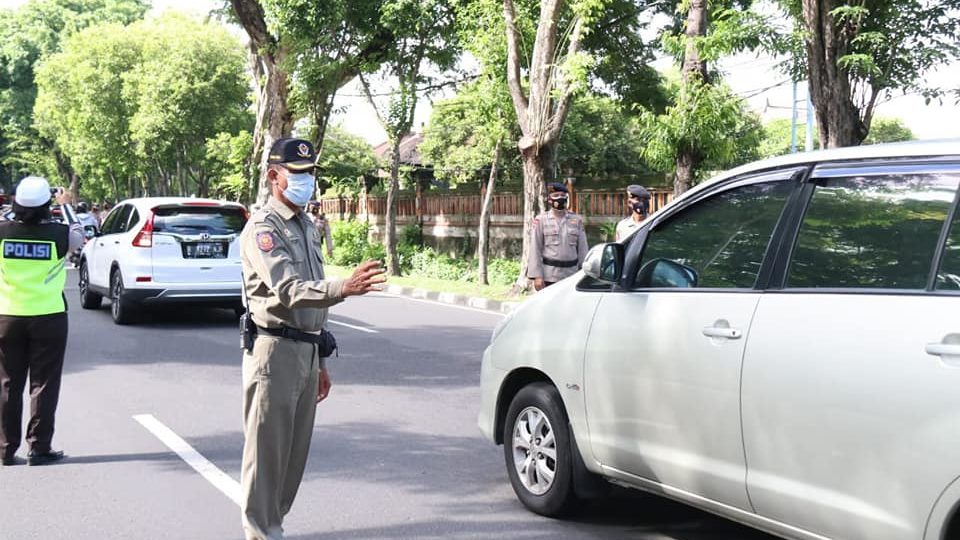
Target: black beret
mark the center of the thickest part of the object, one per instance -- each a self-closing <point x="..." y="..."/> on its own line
<point x="556" y="186"/>
<point x="638" y="191"/>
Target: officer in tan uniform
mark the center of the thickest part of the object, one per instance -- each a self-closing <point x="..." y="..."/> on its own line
<point x="284" y="373"/>
<point x="559" y="241"/>
<point x="638" y="201"/>
<point x="323" y="227"/>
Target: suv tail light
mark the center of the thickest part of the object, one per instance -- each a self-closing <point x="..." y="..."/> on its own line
<point x="144" y="238"/>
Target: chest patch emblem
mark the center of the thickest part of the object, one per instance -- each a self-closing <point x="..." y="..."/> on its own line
<point x="265" y="241"/>
<point x="33" y="251"/>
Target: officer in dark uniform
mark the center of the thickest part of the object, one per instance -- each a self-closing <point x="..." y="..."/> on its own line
<point x="33" y="320"/>
<point x="638" y="201"/>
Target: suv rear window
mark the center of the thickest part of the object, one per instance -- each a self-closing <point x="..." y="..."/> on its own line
<point x="198" y="220"/>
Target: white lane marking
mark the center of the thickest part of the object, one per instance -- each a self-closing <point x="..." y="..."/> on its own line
<point x="219" y="479"/>
<point x="435" y="303"/>
<point x="360" y="328"/>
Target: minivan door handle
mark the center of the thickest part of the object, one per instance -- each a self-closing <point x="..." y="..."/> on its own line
<point x="722" y="332"/>
<point x="948" y="350"/>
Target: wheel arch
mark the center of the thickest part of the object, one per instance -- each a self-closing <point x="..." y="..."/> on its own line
<point x="512" y="384"/>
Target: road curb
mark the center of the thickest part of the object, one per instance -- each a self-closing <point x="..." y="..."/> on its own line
<point x="475" y="302"/>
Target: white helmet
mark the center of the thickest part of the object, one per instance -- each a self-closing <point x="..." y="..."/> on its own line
<point x="33" y="192"/>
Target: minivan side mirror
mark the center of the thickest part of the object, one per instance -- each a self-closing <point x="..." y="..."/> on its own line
<point x="89" y="231"/>
<point x="666" y="273"/>
<point x="604" y="262"/>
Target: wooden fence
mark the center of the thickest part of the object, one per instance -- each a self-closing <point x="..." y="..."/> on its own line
<point x="588" y="203"/>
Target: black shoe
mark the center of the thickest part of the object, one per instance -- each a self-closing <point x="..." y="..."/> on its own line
<point x="45" y="458"/>
<point x="10" y="461"/>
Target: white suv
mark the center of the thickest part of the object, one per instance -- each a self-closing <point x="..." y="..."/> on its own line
<point x="164" y="249"/>
<point x="780" y="346"/>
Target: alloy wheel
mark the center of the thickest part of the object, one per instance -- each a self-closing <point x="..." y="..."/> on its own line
<point x="534" y="450"/>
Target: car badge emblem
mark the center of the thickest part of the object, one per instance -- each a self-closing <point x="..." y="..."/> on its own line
<point x="204" y="236"/>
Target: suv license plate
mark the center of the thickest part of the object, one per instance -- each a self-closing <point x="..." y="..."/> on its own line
<point x="204" y="250"/>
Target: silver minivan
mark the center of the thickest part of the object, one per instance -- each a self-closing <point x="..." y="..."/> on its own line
<point x="780" y="346"/>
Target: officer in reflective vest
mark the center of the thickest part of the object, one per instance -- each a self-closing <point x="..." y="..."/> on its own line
<point x="33" y="320"/>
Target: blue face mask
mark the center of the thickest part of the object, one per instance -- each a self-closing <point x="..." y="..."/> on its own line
<point x="300" y="188"/>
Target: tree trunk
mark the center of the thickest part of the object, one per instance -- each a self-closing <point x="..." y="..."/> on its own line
<point x="68" y="174"/>
<point x="537" y="168"/>
<point x="390" y="235"/>
<point x="693" y="66"/>
<point x="687" y="163"/>
<point x="484" y="232"/>
<point x="276" y="114"/>
<point x="542" y="112"/>
<point x="838" y="119"/>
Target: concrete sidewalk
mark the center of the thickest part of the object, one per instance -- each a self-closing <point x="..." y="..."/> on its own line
<point x="475" y="302"/>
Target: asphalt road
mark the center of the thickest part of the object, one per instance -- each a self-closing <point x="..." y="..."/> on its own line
<point x="396" y="452"/>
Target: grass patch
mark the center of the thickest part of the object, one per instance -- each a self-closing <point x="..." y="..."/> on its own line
<point x="466" y="288"/>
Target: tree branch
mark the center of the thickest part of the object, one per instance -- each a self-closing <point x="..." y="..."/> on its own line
<point x="251" y="17"/>
<point x="520" y="103"/>
<point x="563" y="106"/>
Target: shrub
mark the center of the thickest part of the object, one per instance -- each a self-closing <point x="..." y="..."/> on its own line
<point x="350" y="241"/>
<point x="503" y="271"/>
<point x="428" y="263"/>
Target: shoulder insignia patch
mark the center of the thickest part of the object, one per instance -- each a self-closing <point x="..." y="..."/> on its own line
<point x="265" y="241"/>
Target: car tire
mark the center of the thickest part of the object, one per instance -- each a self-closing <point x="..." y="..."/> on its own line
<point x="536" y="445"/>
<point x="88" y="298"/>
<point x="120" y="309"/>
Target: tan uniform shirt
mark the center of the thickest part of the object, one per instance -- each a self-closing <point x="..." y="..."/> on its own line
<point x="283" y="270"/>
<point x="556" y="239"/>
<point x="626" y="227"/>
<point x="323" y="227"/>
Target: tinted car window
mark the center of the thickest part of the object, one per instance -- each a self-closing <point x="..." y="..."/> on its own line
<point x="199" y="220"/>
<point x="133" y="220"/>
<point x="721" y="239"/>
<point x="116" y="220"/>
<point x="872" y="231"/>
<point x="948" y="277"/>
<point x="123" y="220"/>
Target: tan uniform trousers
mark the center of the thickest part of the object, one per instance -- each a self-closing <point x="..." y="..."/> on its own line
<point x="280" y="378"/>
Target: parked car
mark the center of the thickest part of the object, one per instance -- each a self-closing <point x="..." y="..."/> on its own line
<point x="780" y="346"/>
<point x="159" y="250"/>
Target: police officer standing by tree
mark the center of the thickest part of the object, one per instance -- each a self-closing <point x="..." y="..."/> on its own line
<point x="284" y="371"/>
<point x="559" y="241"/>
<point x="638" y="201"/>
<point x="33" y="320"/>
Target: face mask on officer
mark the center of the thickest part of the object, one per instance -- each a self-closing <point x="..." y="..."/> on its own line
<point x="558" y="201"/>
<point x="639" y="207"/>
<point x="300" y="187"/>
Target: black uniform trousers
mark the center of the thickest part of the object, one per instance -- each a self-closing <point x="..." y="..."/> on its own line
<point x="34" y="347"/>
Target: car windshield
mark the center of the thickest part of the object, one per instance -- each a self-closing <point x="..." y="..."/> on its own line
<point x="198" y="220"/>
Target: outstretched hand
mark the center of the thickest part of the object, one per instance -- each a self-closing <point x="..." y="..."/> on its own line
<point x="365" y="278"/>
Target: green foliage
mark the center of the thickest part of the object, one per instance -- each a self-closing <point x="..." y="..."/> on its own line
<point x="887" y="45"/>
<point x="428" y="263"/>
<point x="226" y="157"/>
<point x="350" y="240"/>
<point x="503" y="271"/>
<point x="600" y="140"/>
<point x="884" y="130"/>
<point x="463" y="131"/>
<point x="708" y="119"/>
<point x="344" y="160"/>
<point x="27" y="35"/>
<point x="608" y="231"/>
<point x="134" y="107"/>
<point x="776" y="138"/>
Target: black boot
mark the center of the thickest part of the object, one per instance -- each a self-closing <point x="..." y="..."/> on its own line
<point x="45" y="458"/>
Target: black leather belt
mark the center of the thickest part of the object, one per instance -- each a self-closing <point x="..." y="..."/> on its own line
<point x="559" y="264"/>
<point x="292" y="333"/>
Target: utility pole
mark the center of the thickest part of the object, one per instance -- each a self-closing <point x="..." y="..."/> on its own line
<point x="793" y="120"/>
<point x="809" y="146"/>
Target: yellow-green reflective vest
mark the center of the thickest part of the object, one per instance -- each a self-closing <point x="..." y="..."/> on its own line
<point x="32" y="269"/>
